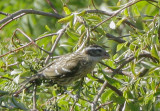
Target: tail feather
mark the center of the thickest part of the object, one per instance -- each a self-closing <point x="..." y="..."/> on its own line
<point x="27" y="81"/>
<point x="32" y="78"/>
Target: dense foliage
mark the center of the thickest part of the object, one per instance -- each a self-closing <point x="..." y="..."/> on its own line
<point x="127" y="29"/>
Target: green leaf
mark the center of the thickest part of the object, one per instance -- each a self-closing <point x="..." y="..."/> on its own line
<point x="126" y="12"/>
<point x="106" y="95"/>
<point x="54" y="38"/>
<point x="94" y="18"/>
<point x="90" y="77"/>
<point x="47" y="28"/>
<point x="119" y="22"/>
<point x="19" y="105"/>
<point x="133" y="45"/>
<point x="148" y="65"/>
<point x="136" y="11"/>
<point x="119" y="99"/>
<point x="118" y="3"/>
<point x="66" y="19"/>
<point x="82" y="13"/>
<point x="127" y="94"/>
<point x="154" y="51"/>
<point x="137" y="53"/>
<point x="16" y="71"/>
<point x="54" y="92"/>
<point x="111" y="80"/>
<point x="132" y="106"/>
<point x="67" y="11"/>
<point x="120" y="46"/>
<point x="133" y="68"/>
<point x="73" y="35"/>
<point x="154" y="69"/>
<point x="3" y="93"/>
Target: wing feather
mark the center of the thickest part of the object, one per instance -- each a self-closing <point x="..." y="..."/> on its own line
<point x="65" y="66"/>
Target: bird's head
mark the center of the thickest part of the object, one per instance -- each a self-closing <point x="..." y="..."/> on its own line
<point x="96" y="52"/>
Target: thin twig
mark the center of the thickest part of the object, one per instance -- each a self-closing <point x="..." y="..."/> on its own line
<point x="117" y="39"/>
<point x="93" y="4"/>
<point x="15" y="94"/>
<point x="34" y="97"/>
<point x="30" y="39"/>
<point x="72" y="108"/>
<point x="119" y="68"/>
<point x="120" y="93"/>
<point x="18" y="49"/>
<point x="11" y="20"/>
<point x="6" y="66"/>
<point x="107" y="103"/>
<point x="55" y="44"/>
<point x="100" y="11"/>
<point x="94" y="104"/>
<point x="52" y="6"/>
<point x="6" y="14"/>
<point x="85" y="100"/>
<point x="132" y="58"/>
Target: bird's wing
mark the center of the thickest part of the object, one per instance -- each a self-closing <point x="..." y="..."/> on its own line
<point x="63" y="67"/>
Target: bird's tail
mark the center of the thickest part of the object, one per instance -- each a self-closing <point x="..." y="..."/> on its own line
<point x="32" y="78"/>
<point x="27" y="81"/>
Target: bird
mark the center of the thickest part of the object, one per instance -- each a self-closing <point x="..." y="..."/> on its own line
<point x="71" y="67"/>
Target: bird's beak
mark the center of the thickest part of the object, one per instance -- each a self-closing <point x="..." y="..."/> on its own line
<point x="106" y="55"/>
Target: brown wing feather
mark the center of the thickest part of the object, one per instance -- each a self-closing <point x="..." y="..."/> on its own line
<point x="65" y="66"/>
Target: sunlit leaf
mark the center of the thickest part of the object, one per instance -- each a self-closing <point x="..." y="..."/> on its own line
<point x="94" y="18"/>
<point x="119" y="22"/>
<point x="67" y="11"/>
<point x="120" y="46"/>
<point x="16" y="79"/>
<point x="66" y="19"/>
<point x="16" y="71"/>
<point x="47" y="28"/>
<point x="112" y="25"/>
<point x="154" y="52"/>
<point x="54" y="38"/>
<point x="126" y="12"/>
